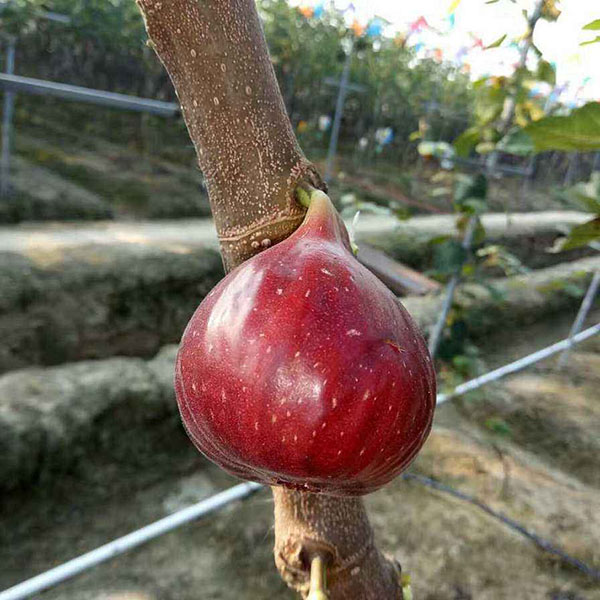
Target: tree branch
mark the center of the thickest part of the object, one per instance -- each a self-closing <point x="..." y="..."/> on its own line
<point x="216" y="55"/>
<point x="337" y="528"/>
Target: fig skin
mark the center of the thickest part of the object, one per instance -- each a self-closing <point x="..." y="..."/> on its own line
<point x="300" y="368"/>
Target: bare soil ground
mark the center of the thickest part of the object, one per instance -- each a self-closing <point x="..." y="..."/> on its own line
<point x="527" y="447"/>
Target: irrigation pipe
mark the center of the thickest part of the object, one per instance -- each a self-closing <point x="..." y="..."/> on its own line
<point x="517" y="365"/>
<point x="584" y="309"/>
<point x="536" y="539"/>
<point x="127" y="542"/>
<point x="438" y="328"/>
<point x="238" y="492"/>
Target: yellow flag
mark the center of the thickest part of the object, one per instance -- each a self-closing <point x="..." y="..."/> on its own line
<point x="453" y="6"/>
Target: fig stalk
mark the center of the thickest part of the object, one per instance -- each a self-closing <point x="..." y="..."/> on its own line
<point x="318" y="579"/>
<point x="356" y="569"/>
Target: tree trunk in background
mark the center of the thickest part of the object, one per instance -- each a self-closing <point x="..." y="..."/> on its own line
<point x="216" y="55"/>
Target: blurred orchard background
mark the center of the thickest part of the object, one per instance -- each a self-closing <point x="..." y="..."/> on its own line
<point x="467" y="134"/>
<point x="430" y="72"/>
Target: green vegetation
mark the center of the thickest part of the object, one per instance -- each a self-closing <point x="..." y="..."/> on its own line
<point x="103" y="47"/>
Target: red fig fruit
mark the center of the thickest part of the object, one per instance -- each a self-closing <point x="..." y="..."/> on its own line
<point x="300" y="368"/>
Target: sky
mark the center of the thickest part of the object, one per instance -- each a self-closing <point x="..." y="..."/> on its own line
<point x="474" y="19"/>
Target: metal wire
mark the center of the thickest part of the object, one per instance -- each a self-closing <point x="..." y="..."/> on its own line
<point x="7" y="115"/>
<point x="29" y="85"/>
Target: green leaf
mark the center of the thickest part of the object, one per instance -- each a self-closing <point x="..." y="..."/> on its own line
<point x="437" y="149"/>
<point x="470" y="187"/>
<point x="580" y="235"/>
<point x="587" y="194"/>
<point x="536" y="50"/>
<point x="546" y="72"/>
<point x="579" y="131"/>
<point x="448" y="257"/>
<point x="468" y="270"/>
<point x="498" y="425"/>
<point x="474" y="206"/>
<point x="439" y="192"/>
<point x="489" y="104"/>
<point x="588" y="203"/>
<point x="593" y="26"/>
<point x="439" y="239"/>
<point x="573" y="290"/>
<point x="496" y="256"/>
<point x="479" y="235"/>
<point x="496" y="294"/>
<point x="517" y="142"/>
<point x="463" y="363"/>
<point x="496" y="43"/>
<point x="466" y="141"/>
<point x="485" y="147"/>
<point x="402" y="213"/>
<point x="588" y="42"/>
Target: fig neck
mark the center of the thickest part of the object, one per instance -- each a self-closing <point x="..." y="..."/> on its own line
<point x="322" y="221"/>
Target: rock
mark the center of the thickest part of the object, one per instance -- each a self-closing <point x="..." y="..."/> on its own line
<point x="50" y="417"/>
<point x="86" y="302"/>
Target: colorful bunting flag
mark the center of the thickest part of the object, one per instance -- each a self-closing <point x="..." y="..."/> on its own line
<point x="324" y="122"/>
<point x="462" y="52"/>
<point x="375" y="27"/>
<point x="418" y="25"/>
<point x="384" y="136"/>
<point x="477" y="42"/>
<point x="357" y="28"/>
<point x="453" y="6"/>
<point x="306" y="11"/>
